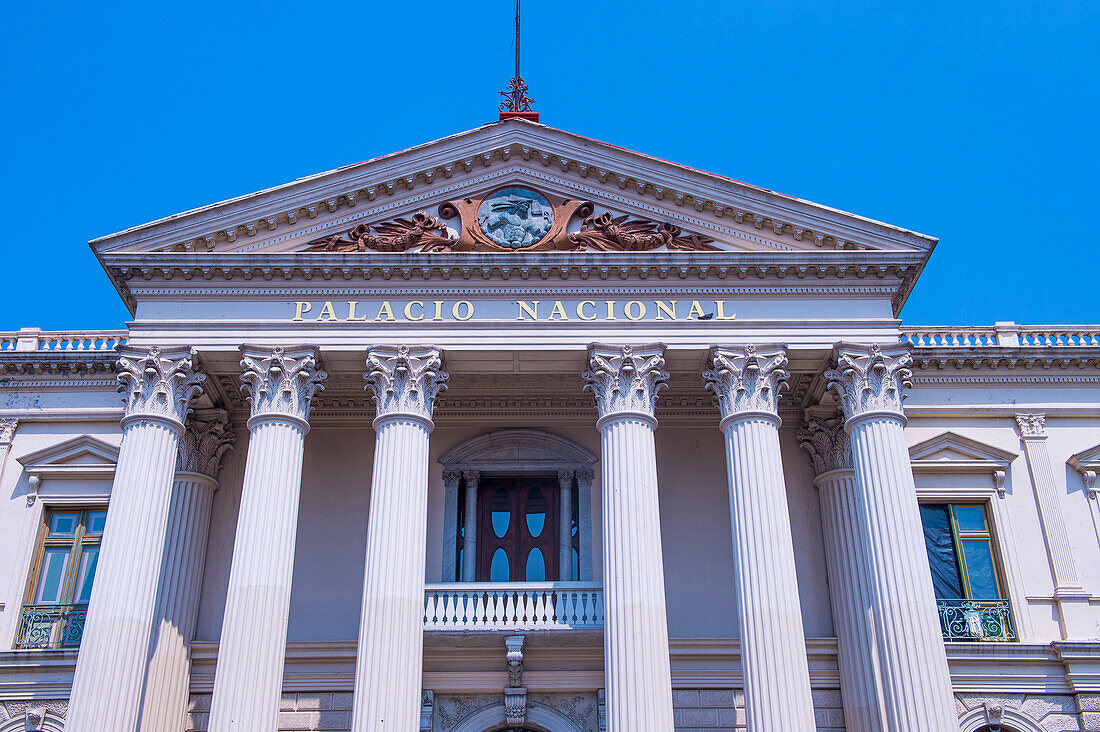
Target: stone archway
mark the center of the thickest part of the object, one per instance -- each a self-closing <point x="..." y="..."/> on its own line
<point x="540" y="718"/>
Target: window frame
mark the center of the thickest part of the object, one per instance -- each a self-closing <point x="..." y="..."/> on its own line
<point x="76" y="543"/>
<point x="957" y="538"/>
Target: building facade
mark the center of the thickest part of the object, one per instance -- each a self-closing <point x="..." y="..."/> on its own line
<point x="517" y="430"/>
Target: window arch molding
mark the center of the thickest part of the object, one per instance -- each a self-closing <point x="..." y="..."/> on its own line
<point x="539" y="717"/>
<point x="511" y="451"/>
<point x="1007" y="720"/>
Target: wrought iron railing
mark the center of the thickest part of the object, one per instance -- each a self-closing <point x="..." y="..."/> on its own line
<point x="51" y="626"/>
<point x="513" y="606"/>
<point x="976" y="620"/>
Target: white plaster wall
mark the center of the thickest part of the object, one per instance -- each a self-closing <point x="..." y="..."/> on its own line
<point x="20" y="524"/>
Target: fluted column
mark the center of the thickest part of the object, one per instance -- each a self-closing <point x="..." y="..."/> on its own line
<point x="565" y="526"/>
<point x="625" y="381"/>
<point x="158" y="387"/>
<point x="406" y="381"/>
<point x="747" y="382"/>
<point x="207" y="438"/>
<point x="845" y="559"/>
<point x="916" y="682"/>
<point x="469" y="528"/>
<point x="280" y="384"/>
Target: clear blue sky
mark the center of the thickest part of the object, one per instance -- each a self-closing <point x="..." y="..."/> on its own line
<point x="972" y="121"/>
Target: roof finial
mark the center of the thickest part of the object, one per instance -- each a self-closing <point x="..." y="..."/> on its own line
<point x="516" y="102"/>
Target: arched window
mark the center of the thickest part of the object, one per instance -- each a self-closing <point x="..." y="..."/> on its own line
<point x="518" y="509"/>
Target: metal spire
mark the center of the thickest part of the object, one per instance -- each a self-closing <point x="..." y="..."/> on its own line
<point x="516" y="102"/>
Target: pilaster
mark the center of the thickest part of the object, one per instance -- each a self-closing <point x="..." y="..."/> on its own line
<point x="405" y="382"/>
<point x="747" y="382"/>
<point x="280" y="384"/>
<point x="158" y="386"/>
<point x="624" y="381"/>
<point x="916" y="685"/>
<point x="1074" y="615"/>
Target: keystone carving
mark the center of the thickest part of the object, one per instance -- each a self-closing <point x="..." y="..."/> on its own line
<point x="747" y="379"/>
<point x="158" y="383"/>
<point x="406" y="380"/>
<point x="827" y="442"/>
<point x="207" y="438"/>
<point x="625" y="379"/>
<point x="870" y="378"/>
<point x="281" y="381"/>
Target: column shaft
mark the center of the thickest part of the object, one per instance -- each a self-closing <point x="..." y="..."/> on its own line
<point x="166" y="686"/>
<point x="915" y="677"/>
<point x="639" y="679"/>
<point x="469" y="530"/>
<point x="406" y="381"/>
<point x="565" y="533"/>
<point x="773" y="646"/>
<point x="114" y="650"/>
<point x="391" y="629"/>
<point x="106" y="694"/>
<point x="248" y="680"/>
<point x="845" y="557"/>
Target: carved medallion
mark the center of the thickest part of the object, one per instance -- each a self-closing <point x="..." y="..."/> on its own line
<point x="515" y="217"/>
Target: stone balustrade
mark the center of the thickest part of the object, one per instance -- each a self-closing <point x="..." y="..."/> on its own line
<point x="513" y="606"/>
<point x="1005" y="335"/>
<point x="33" y="339"/>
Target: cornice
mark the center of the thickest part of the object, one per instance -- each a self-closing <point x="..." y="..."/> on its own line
<point x="891" y="268"/>
<point x="928" y="361"/>
<point x="600" y="165"/>
<point x="75" y="364"/>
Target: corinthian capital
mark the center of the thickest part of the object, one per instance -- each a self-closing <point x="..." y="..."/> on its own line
<point x="747" y="379"/>
<point x="1032" y="425"/>
<point x="7" y="431"/>
<point x="158" y="383"/>
<point x="281" y="381"/>
<point x="406" y="380"/>
<point x="625" y="379"/>
<point x="827" y="442"/>
<point x="207" y="438"/>
<point x="870" y="378"/>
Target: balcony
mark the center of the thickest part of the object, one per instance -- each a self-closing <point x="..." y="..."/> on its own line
<point x="976" y="620"/>
<point x="488" y="606"/>
<point x="51" y="626"/>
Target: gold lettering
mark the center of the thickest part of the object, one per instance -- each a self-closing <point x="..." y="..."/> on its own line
<point x="722" y="311"/>
<point x="408" y="311"/>
<point x="300" y="309"/>
<point x="351" y="312"/>
<point x="438" y="310"/>
<point x="638" y="310"/>
<point x="610" y="310"/>
<point x="385" y="310"/>
<point x="580" y="309"/>
<point x="327" y="310"/>
<point x="469" y="310"/>
<point x="558" y="310"/>
<point x="668" y="309"/>
<point x="696" y="310"/>
<point x="524" y="307"/>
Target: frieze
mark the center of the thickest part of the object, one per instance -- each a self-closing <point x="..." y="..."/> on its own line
<point x="513" y="219"/>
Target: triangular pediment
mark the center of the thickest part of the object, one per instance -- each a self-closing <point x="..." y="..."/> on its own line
<point x="633" y="189"/>
<point x="1086" y="460"/>
<point x="84" y="454"/>
<point x="952" y="452"/>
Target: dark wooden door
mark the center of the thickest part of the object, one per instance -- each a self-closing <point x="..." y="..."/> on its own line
<point x="517" y="532"/>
